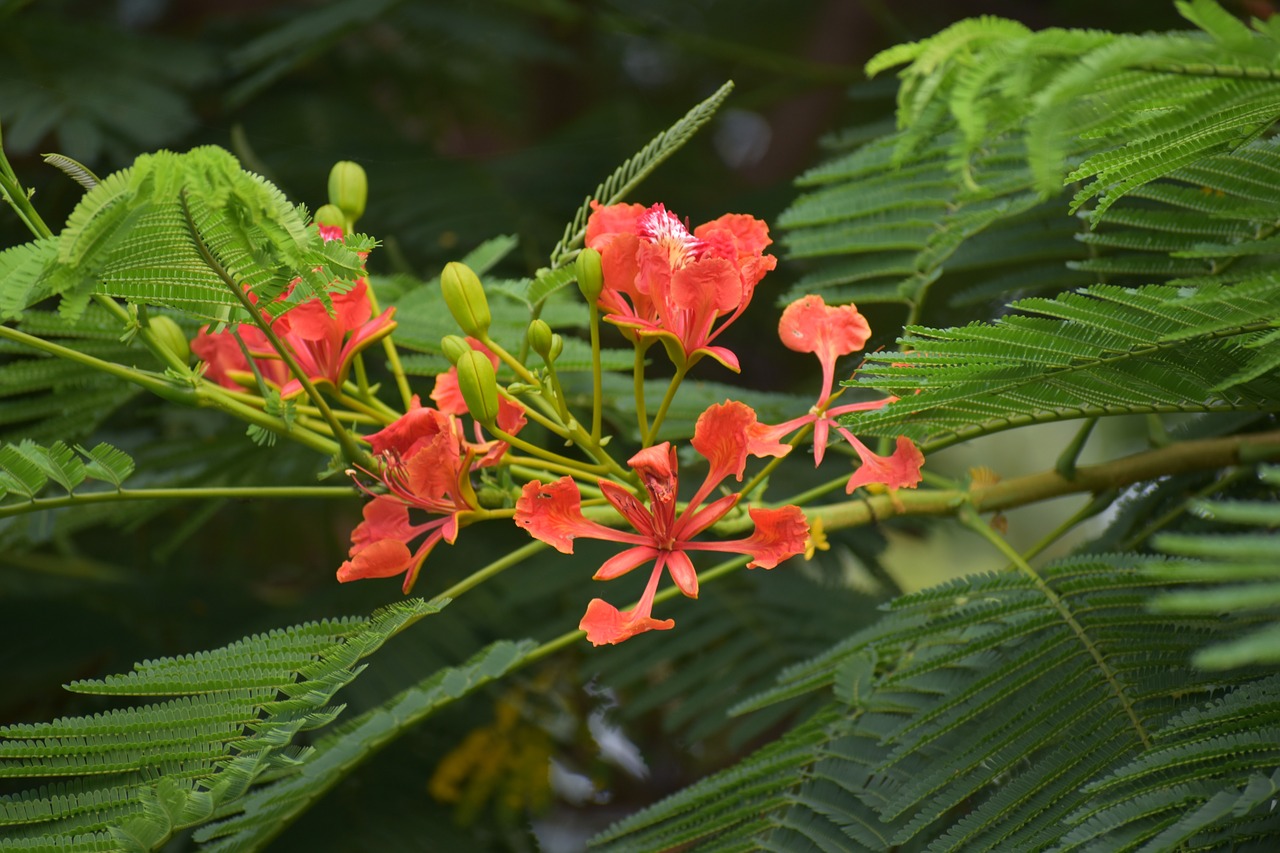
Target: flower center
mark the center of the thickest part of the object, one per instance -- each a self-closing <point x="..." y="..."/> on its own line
<point x="661" y="227"/>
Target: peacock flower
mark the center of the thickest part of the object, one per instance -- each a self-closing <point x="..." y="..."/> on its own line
<point x="663" y="532"/>
<point x="663" y="282"/>
<point x="830" y="331"/>
<point x="427" y="467"/>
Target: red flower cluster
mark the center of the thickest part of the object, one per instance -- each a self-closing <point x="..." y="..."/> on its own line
<point x="323" y="344"/>
<point x="725" y="435"/>
<point x="682" y="288"/>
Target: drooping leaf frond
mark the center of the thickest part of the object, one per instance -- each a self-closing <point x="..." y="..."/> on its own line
<point x="636" y="168"/>
<point x="1103" y="351"/>
<point x="134" y="775"/>
<point x="995" y="712"/>
<point x="27" y="467"/>
<point x="250" y="823"/>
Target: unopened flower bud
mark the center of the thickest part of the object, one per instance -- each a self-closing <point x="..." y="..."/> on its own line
<point x="169" y="335"/>
<point x="590" y="274"/>
<point x="464" y="296"/>
<point x="540" y="337"/>
<point x="331" y="216"/>
<point x="557" y="347"/>
<point x="348" y="188"/>
<point x="479" y="386"/>
<point x="454" y="347"/>
<point x="491" y="497"/>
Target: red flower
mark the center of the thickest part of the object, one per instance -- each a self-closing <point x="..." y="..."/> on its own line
<point x="552" y="512"/>
<point x="323" y="344"/>
<point x="427" y="467"/>
<point x="660" y="281"/>
<point x="830" y="331"/>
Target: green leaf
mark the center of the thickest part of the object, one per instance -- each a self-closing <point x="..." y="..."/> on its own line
<point x="107" y="463"/>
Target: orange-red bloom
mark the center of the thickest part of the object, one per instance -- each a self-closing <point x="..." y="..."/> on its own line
<point x="830" y="331"/>
<point x="323" y="344"/>
<point x="682" y="288"/>
<point x="664" y="534"/>
<point x="426" y="466"/>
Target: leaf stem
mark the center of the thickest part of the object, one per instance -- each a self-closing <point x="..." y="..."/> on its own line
<point x="660" y="415"/>
<point x="191" y="493"/>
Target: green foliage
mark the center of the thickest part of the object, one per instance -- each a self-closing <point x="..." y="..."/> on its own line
<point x="26" y="467"/>
<point x="1102" y="351"/>
<point x="944" y="728"/>
<point x="130" y="778"/>
<point x="179" y="231"/>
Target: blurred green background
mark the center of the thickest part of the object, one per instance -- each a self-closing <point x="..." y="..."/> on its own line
<point x="472" y="119"/>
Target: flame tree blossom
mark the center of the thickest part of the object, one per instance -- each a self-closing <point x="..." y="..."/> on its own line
<point x="664" y="534"/>
<point x="322" y="343"/>
<point x="663" y="282"/>
<point x="426" y="466"/>
<point x="830" y="331"/>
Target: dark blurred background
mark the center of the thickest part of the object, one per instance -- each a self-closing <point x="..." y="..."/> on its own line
<point x="472" y="119"/>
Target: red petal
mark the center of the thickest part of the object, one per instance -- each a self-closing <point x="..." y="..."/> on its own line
<point x="447" y="395"/>
<point x="707" y="287"/>
<point x="682" y="572"/>
<point x="384" y="518"/>
<point x="619" y="564"/>
<point x="780" y="533"/>
<point x="407" y="433"/>
<point x="432" y="469"/>
<point x="605" y="222"/>
<point x="810" y="325"/>
<point x="658" y="472"/>
<point x="750" y="235"/>
<point x="604" y="623"/>
<point x="898" y="471"/>
<point x="381" y="559"/>
<point x="721" y="436"/>
<point x="552" y="513"/>
<point x="628" y="507"/>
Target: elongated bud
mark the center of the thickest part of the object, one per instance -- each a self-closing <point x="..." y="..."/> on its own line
<point x="557" y="347"/>
<point x="454" y="347"/>
<point x="479" y="386"/>
<point x="590" y="274"/>
<point x="540" y="337"/>
<point x="170" y="336"/>
<point x="464" y="296"/>
<point x="348" y="189"/>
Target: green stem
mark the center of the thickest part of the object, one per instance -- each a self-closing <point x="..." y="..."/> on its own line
<point x="393" y="356"/>
<point x="1066" y="464"/>
<point x="384" y="411"/>
<point x="494" y="569"/>
<point x="365" y="409"/>
<point x="661" y="414"/>
<point x="637" y="380"/>
<point x="542" y="453"/>
<point x="193" y="493"/>
<point x="597" y="375"/>
<point x="969" y="518"/>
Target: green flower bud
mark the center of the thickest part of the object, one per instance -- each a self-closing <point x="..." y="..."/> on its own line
<point x="454" y="347"/>
<point x="479" y="386"/>
<point x="169" y="335"/>
<point x="348" y="188"/>
<point x="590" y="274"/>
<point x="332" y="216"/>
<point x="464" y="296"/>
<point x="540" y="337"/>
<point x="491" y="497"/>
<point x="557" y="347"/>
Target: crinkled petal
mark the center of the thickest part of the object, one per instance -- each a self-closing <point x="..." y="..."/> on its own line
<point x="827" y="331"/>
<point x="604" y="623"/>
<point x="721" y="435"/>
<point x="900" y="470"/>
<point x="749" y="235"/>
<point x="629" y="507"/>
<point x="659" y="473"/>
<point x="780" y="533"/>
<point x="606" y="221"/>
<point x="552" y="513"/>
<point x="407" y="433"/>
<point x="381" y="559"/>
